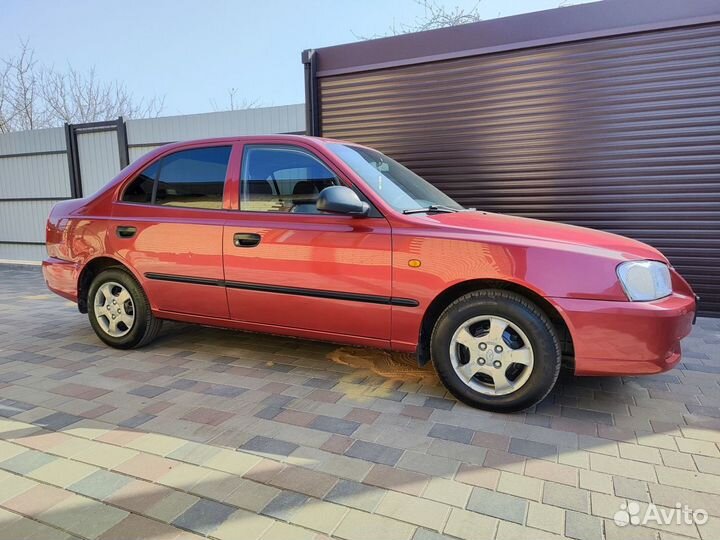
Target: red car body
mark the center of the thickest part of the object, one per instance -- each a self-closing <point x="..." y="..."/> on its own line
<point x="374" y="281"/>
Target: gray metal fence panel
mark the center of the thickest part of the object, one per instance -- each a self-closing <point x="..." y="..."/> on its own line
<point x="34" y="176"/>
<point x="21" y="253"/>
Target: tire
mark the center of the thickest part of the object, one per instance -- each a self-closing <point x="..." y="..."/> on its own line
<point x="491" y="368"/>
<point x="136" y="324"/>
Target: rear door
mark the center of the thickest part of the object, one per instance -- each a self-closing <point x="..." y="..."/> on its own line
<point x="168" y="226"/>
<point x="288" y="265"/>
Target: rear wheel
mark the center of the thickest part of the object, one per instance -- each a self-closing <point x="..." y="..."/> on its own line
<point x="496" y="350"/>
<point x="119" y="311"/>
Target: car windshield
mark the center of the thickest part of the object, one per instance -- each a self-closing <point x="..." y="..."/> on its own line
<point x="397" y="185"/>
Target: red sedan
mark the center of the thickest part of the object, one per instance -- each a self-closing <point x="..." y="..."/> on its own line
<point x="329" y="240"/>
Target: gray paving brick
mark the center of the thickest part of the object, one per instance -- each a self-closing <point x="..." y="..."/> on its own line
<point x="583" y="527"/>
<point x="204" y="516"/>
<point x="282" y="368"/>
<point x="11" y="407"/>
<point x="11" y="376"/>
<point x="268" y="413"/>
<point x="538" y="420"/>
<point x="57" y="421"/>
<point x="439" y="403"/>
<point x="356" y="495"/>
<point x="589" y="416"/>
<point x="182" y="384"/>
<point x="334" y="425"/>
<point x="30" y="357"/>
<point x="62" y="375"/>
<point x="452" y="433"/>
<point x="499" y="505"/>
<point x="224" y="390"/>
<point x="283" y="506"/>
<point x="629" y="488"/>
<point x="267" y="445"/>
<point x="712" y="412"/>
<point x="533" y="449"/>
<point x="277" y="400"/>
<point x="425" y="534"/>
<point x="148" y="391"/>
<point x="377" y="453"/>
<point x="567" y="497"/>
<point x="100" y="484"/>
<point x="26" y="462"/>
<point x="319" y="383"/>
<point x="135" y="421"/>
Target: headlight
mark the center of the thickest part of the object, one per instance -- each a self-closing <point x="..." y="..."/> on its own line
<point x="645" y="280"/>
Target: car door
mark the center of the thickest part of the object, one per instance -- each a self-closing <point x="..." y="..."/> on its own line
<point x="168" y="227"/>
<point x="288" y="265"/>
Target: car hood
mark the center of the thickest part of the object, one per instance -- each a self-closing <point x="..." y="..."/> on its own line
<point x="500" y="228"/>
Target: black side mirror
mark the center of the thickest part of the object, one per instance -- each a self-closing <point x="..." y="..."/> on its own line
<point x="341" y="200"/>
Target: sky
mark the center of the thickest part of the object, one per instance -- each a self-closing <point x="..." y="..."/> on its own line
<point x="192" y="52"/>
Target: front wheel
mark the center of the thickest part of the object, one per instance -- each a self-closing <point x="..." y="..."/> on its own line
<point x="494" y="349"/>
<point x="119" y="311"/>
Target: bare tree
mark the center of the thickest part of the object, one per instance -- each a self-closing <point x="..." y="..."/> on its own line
<point x="434" y="16"/>
<point x="33" y="96"/>
<point x="234" y="103"/>
<point x="81" y="97"/>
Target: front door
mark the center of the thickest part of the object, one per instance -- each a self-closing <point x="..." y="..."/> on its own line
<point x="168" y="226"/>
<point x="287" y="265"/>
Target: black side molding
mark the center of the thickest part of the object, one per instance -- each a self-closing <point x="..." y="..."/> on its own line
<point x="279" y="289"/>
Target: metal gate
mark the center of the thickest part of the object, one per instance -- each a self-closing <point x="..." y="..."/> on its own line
<point x="97" y="151"/>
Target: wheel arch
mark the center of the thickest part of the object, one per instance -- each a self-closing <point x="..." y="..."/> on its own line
<point x="452" y="293"/>
<point x="91" y="269"/>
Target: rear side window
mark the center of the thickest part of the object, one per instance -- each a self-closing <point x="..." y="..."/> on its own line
<point x="188" y="179"/>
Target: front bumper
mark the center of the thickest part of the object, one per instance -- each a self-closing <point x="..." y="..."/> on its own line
<point x="61" y="277"/>
<point x="628" y="338"/>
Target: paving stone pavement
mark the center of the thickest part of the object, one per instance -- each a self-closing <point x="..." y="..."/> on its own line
<point x="228" y="435"/>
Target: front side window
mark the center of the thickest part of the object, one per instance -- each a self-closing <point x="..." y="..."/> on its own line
<point x="278" y="178"/>
<point x="397" y="185"/>
<point x="189" y="179"/>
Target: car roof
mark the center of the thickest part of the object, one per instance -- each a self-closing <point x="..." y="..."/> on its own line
<point x="276" y="137"/>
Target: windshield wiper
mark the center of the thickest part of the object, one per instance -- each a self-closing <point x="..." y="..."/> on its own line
<point x="431" y="208"/>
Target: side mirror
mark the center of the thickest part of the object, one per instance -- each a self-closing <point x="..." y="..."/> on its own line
<point x="341" y="200"/>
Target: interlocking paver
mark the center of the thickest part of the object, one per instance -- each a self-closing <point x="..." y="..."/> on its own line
<point x="452" y="433"/>
<point x="284" y="505"/>
<point x="355" y="495"/>
<point x="533" y="449"/>
<point x="270" y="447"/>
<point x="422" y="512"/>
<point x="357" y="525"/>
<point x="566" y="497"/>
<point x="396" y="479"/>
<point x="100" y="484"/>
<point x="499" y="505"/>
<point x="582" y="526"/>
<point x="469" y="525"/>
<point x="204" y="516"/>
<point x="26" y="462"/>
<point x="334" y="425"/>
<point x="377" y="453"/>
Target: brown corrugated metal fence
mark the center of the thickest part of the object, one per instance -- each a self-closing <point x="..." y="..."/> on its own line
<point x="619" y="133"/>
